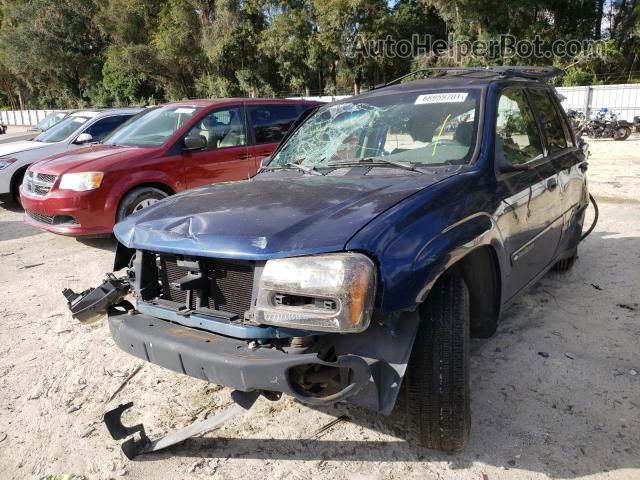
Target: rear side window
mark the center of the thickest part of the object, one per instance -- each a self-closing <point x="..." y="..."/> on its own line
<point x="550" y="119"/>
<point x="271" y="122"/>
<point x="517" y="134"/>
<point x="105" y="126"/>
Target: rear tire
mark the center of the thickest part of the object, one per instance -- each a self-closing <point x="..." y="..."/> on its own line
<point x="138" y="199"/>
<point x="564" y="264"/>
<point x="437" y="380"/>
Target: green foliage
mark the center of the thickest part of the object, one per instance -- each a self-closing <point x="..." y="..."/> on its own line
<point x="68" y="53"/>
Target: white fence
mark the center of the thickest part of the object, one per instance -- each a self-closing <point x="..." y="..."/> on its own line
<point x="621" y="99"/>
<point x="23" y="117"/>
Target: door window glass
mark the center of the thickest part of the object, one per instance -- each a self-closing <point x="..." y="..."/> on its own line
<point x="271" y="122"/>
<point x="221" y="129"/>
<point x="517" y="135"/>
<point x="103" y="127"/>
<point x="551" y="121"/>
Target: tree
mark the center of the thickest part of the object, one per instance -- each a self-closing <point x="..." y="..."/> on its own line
<point x="53" y="46"/>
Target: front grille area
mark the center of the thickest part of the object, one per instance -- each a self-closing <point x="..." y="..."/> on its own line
<point x="38" y="184"/>
<point x="228" y="286"/>
<point x="40" y="218"/>
<point x="52" y="219"/>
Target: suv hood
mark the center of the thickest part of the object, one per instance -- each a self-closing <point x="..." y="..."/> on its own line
<point x="94" y="157"/>
<point x="21" y="146"/>
<point x="270" y="216"/>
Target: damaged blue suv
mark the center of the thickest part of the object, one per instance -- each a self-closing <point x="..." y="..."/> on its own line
<point x="386" y="231"/>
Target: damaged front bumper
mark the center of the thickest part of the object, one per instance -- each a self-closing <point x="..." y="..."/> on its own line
<point x="217" y="359"/>
<point x="364" y="368"/>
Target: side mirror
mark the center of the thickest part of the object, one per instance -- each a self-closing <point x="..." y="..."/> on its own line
<point x="195" y="142"/>
<point x="84" y="138"/>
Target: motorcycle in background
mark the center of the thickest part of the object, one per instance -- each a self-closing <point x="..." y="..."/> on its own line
<point x="605" y="124"/>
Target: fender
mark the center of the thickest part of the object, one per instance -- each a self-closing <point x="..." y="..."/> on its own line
<point x="415" y="241"/>
<point x="126" y="183"/>
<point x="453" y="244"/>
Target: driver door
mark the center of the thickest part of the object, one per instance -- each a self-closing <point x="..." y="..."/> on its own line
<point x="225" y="156"/>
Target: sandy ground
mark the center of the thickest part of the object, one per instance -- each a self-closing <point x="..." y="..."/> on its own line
<point x="575" y="414"/>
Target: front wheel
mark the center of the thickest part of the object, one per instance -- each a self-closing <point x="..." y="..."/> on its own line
<point x="437" y="379"/>
<point x="621" y="133"/>
<point x="139" y="199"/>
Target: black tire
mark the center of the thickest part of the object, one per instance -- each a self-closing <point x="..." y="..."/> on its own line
<point x="564" y="264"/>
<point x="437" y="379"/>
<point x="137" y="199"/>
<point x="16" y="181"/>
<point x="622" y="133"/>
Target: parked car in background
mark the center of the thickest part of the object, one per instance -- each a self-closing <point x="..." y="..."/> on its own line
<point x="78" y="129"/>
<point x="3" y="127"/>
<point x="47" y="122"/>
<point x="164" y="150"/>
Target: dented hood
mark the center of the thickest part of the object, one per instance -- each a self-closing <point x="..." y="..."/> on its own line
<point x="272" y="215"/>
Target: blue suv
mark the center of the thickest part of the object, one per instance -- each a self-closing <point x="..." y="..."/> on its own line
<point x="385" y="231"/>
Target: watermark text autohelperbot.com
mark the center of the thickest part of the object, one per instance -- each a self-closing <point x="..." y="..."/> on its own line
<point x="504" y="46"/>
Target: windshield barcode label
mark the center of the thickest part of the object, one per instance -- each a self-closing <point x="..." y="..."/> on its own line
<point x="452" y="97"/>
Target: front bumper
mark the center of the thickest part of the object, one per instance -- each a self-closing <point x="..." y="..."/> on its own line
<point x="227" y="361"/>
<point x="86" y="209"/>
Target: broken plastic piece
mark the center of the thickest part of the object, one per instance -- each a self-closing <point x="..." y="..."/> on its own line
<point x="134" y="447"/>
<point x="92" y="304"/>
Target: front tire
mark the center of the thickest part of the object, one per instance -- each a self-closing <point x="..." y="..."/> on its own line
<point x="437" y="380"/>
<point x="138" y="199"/>
<point x="16" y="181"/>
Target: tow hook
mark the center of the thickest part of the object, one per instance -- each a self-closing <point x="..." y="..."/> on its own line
<point x="134" y="447"/>
<point x="91" y="305"/>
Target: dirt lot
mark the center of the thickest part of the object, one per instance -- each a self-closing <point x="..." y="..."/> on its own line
<point x="575" y="414"/>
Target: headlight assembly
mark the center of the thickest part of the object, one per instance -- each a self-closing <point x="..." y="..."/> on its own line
<point x="81" y="182"/>
<point x="330" y="293"/>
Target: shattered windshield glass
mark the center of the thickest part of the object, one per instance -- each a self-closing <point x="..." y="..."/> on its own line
<point x="418" y="128"/>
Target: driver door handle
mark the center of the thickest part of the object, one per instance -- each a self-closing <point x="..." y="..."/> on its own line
<point x="552" y="183"/>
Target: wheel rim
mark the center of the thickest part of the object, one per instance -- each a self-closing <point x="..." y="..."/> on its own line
<point x="144" y="204"/>
<point x="621" y="133"/>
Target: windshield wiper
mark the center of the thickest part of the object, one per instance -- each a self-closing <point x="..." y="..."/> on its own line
<point x="372" y="161"/>
<point x="311" y="170"/>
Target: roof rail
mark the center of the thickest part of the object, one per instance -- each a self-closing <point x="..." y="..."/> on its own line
<point x="542" y="74"/>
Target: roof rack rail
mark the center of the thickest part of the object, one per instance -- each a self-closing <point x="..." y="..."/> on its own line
<point x="542" y="74"/>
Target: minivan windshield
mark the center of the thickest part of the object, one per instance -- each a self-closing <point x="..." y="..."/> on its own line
<point x="415" y="128"/>
<point x="63" y="129"/>
<point x="152" y="128"/>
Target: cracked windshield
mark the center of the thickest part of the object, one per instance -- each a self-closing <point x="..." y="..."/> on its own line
<point x="427" y="128"/>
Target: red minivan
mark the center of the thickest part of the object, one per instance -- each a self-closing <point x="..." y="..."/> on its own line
<point x="161" y="151"/>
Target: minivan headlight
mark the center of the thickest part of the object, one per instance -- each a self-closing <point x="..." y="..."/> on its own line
<point x="81" y="182"/>
<point x="331" y="293"/>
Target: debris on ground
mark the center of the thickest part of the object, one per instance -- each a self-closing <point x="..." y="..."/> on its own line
<point x="87" y="431"/>
<point x="543" y="354"/>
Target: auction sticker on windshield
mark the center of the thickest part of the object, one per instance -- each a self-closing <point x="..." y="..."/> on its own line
<point x="452" y="97"/>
